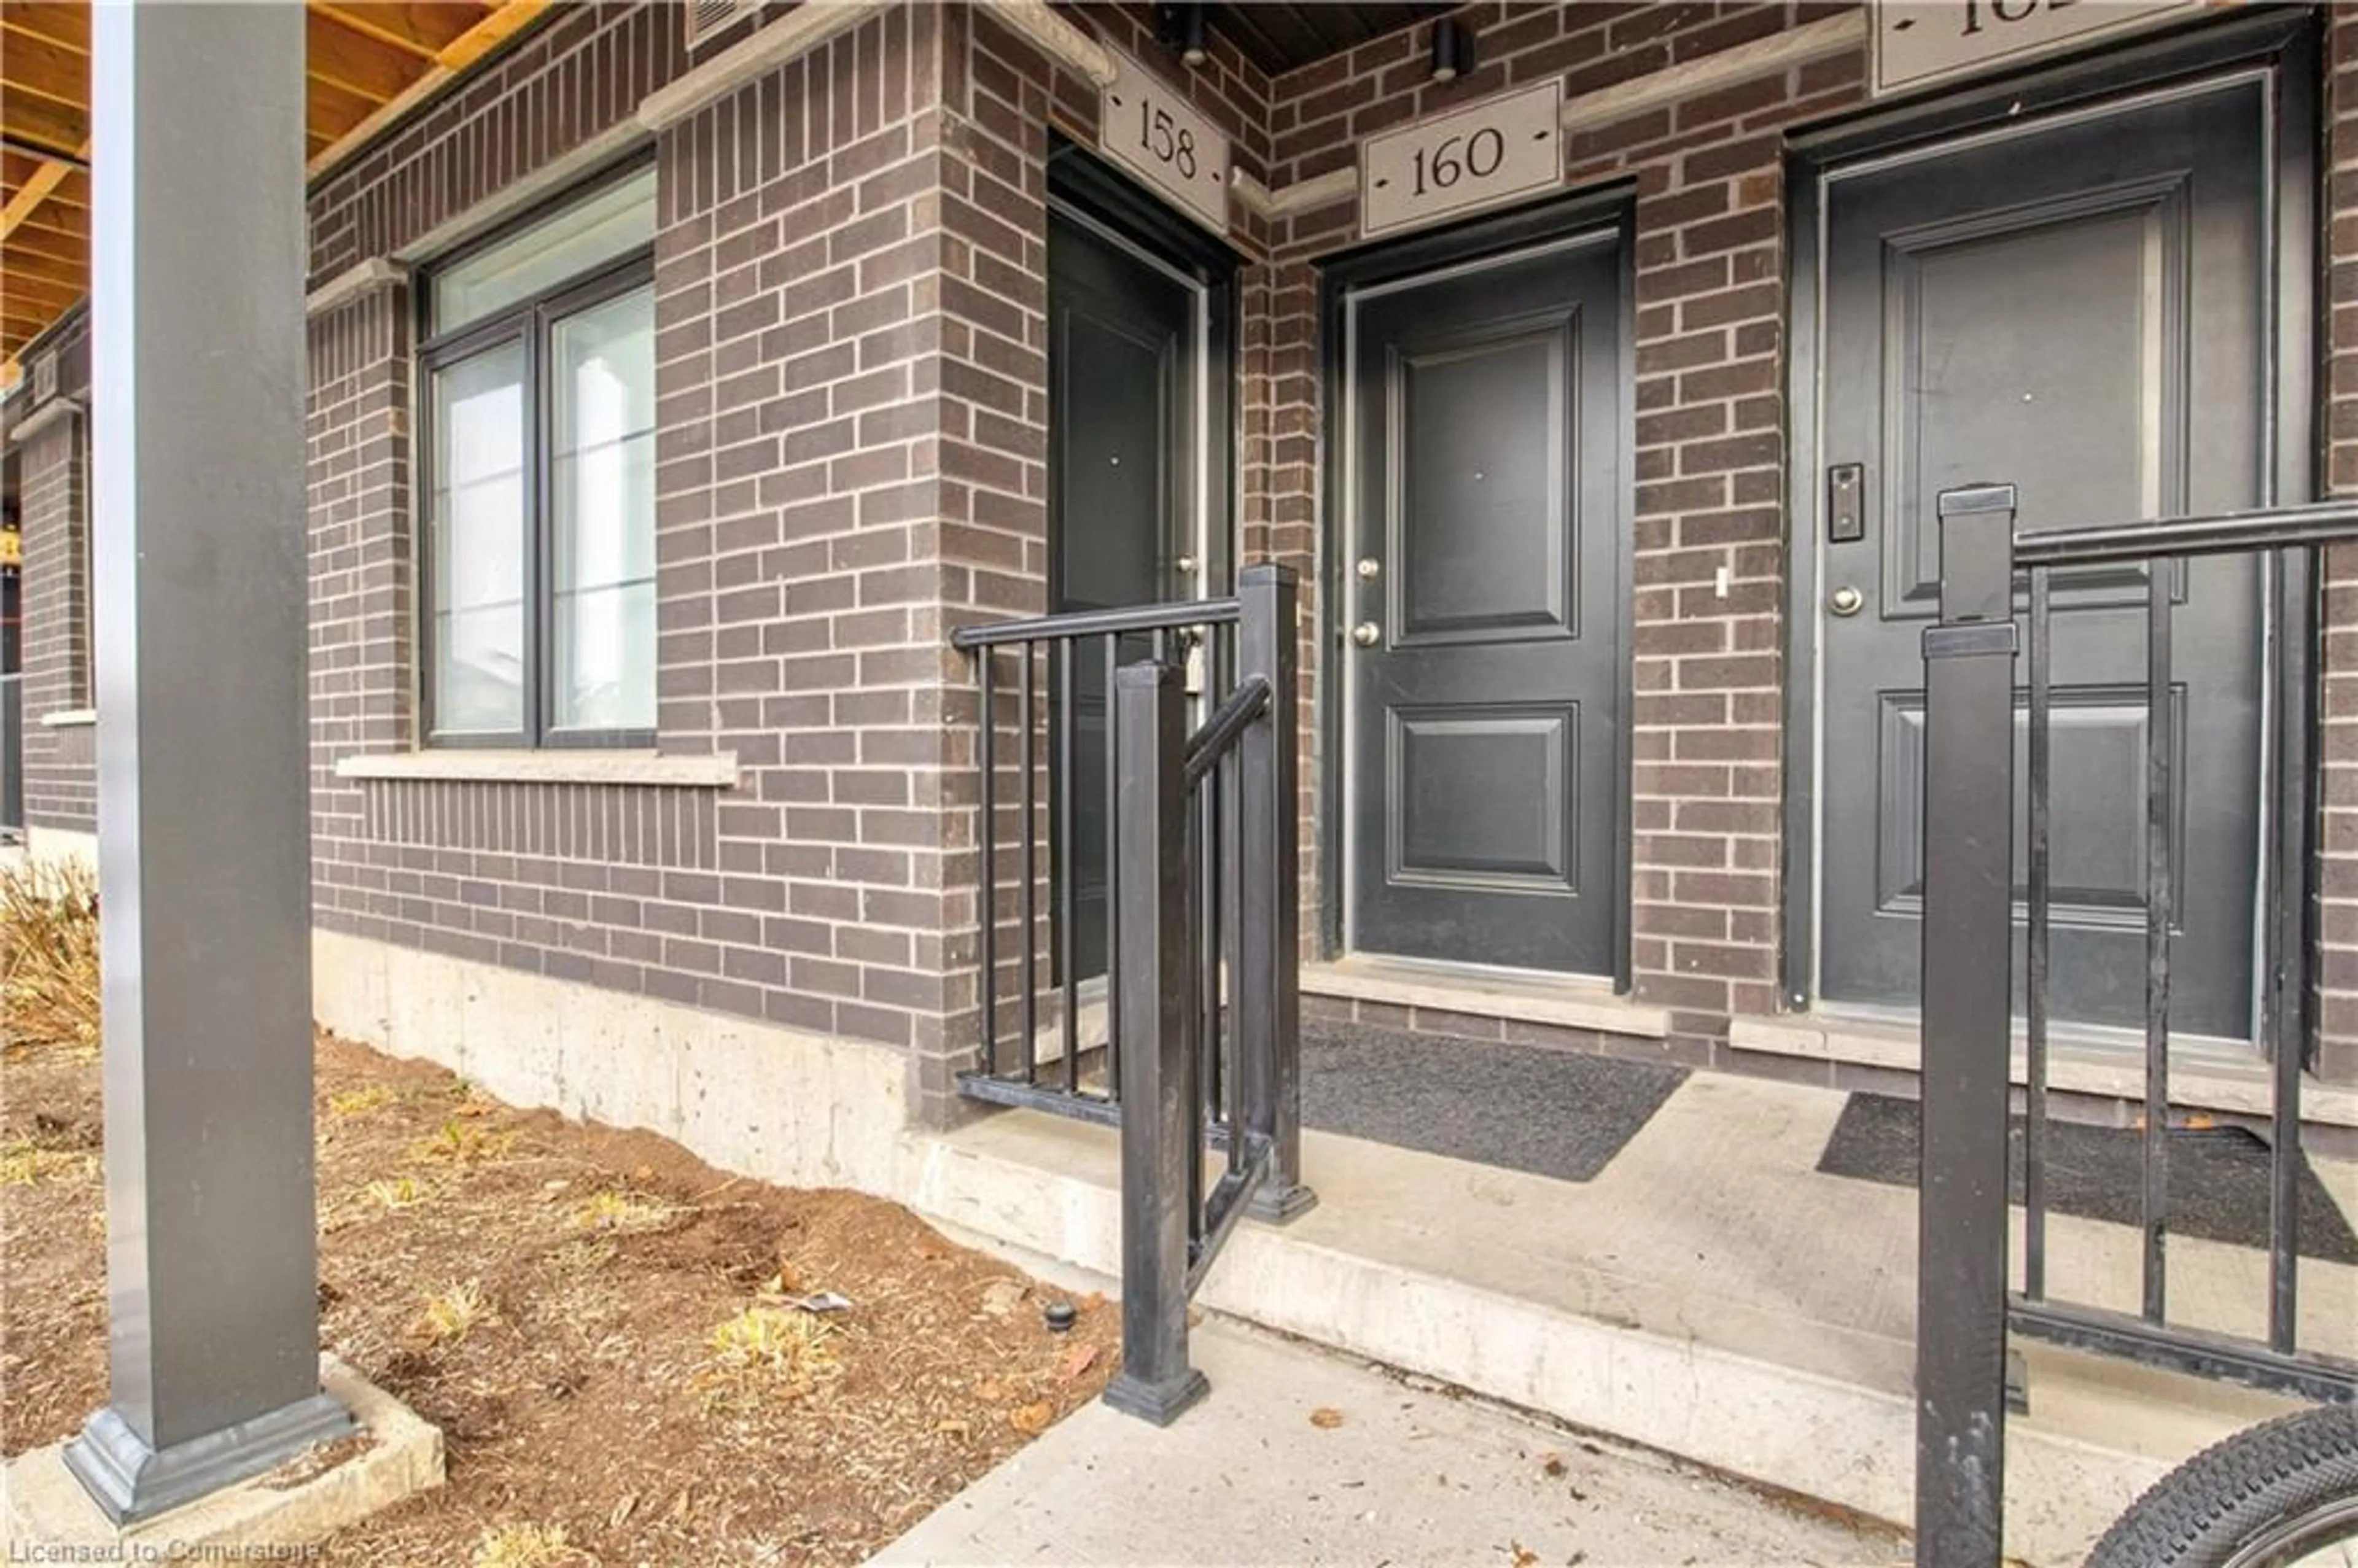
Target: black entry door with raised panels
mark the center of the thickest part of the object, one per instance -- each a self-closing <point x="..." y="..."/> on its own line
<point x="1121" y="496"/>
<point x="2076" y="310"/>
<point x="1480" y="599"/>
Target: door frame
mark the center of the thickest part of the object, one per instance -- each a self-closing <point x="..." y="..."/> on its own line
<point x="1603" y="215"/>
<point x="2282" y="47"/>
<point x="1085" y="189"/>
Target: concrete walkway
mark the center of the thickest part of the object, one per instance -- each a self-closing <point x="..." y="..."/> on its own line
<point x="1709" y="1293"/>
<point x="1407" y="1476"/>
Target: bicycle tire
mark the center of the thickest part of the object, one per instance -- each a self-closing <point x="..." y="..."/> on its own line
<point x="2226" y="1506"/>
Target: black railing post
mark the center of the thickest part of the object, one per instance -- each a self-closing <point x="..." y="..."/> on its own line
<point x="1968" y="935"/>
<point x="1160" y="1109"/>
<point x="1269" y="914"/>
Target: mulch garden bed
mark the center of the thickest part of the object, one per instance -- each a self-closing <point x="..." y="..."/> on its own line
<point x="603" y="1326"/>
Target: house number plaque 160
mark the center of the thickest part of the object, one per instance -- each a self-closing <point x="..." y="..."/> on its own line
<point x="1477" y="157"/>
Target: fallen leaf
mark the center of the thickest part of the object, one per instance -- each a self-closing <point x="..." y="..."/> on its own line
<point x="789" y="1278"/>
<point x="622" y="1510"/>
<point x="1524" y="1556"/>
<point x="1000" y="1297"/>
<point x="679" y="1509"/>
<point x="1083" y="1357"/>
<point x="644" y="1173"/>
<point x="825" y="1300"/>
<point x="955" y="1427"/>
<point x="1032" y="1420"/>
<point x="1093" y="1300"/>
<point x="1553" y="1465"/>
<point x="991" y="1389"/>
<point x="1326" y="1418"/>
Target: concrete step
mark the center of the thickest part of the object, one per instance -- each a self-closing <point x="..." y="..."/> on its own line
<point x="1710" y="1295"/>
<point x="1390" y="1472"/>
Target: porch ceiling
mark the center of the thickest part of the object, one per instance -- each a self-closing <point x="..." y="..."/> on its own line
<point x="369" y="60"/>
<point x="1278" y="36"/>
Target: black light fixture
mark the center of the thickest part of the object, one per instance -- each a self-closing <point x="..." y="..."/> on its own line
<point x="1180" y="28"/>
<point x="1452" y="49"/>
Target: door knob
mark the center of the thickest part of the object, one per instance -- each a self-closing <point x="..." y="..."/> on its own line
<point x="1845" y="600"/>
<point x="1365" y="634"/>
<point x="1369" y="569"/>
<point x="1187" y="564"/>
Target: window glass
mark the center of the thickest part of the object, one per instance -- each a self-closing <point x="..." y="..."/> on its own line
<point x="539" y="577"/>
<point x="601" y="533"/>
<point x="475" y="543"/>
<point x="563" y="245"/>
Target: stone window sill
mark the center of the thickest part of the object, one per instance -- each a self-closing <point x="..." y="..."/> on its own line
<point x="70" y="718"/>
<point x="584" y="766"/>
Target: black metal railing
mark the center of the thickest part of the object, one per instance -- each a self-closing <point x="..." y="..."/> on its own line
<point x="1966" y="1305"/>
<point x="1049" y="914"/>
<point x="1200" y="1038"/>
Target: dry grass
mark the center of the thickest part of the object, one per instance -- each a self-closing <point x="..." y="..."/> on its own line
<point x="398" y="1192"/>
<point x="451" y="1314"/>
<point x="24" y="1161"/>
<point x="460" y="1142"/>
<point x="616" y="1377"/>
<point x="766" y="1354"/>
<point x="526" y="1546"/>
<point x="49" y="957"/>
<point x="358" y="1102"/>
<point x="592" y="1317"/>
<point x="624" y="1212"/>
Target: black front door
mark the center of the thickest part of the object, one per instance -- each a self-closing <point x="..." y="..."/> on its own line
<point x="1481" y="602"/>
<point x="1122" y="501"/>
<point x="2077" y="311"/>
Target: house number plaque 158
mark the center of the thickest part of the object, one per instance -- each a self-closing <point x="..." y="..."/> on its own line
<point x="1477" y="157"/>
<point x="1150" y="130"/>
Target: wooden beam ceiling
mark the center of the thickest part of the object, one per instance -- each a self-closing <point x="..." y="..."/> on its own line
<point x="368" y="62"/>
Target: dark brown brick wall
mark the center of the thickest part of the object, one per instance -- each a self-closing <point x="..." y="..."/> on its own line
<point x="361" y="642"/>
<point x="805" y="466"/>
<point x="2337" y="974"/>
<point x="52" y="477"/>
<point x="807" y="454"/>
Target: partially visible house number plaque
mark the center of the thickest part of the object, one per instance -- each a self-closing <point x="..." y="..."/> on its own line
<point x="1477" y="157"/>
<point x="1922" y="41"/>
<point x="1149" y="129"/>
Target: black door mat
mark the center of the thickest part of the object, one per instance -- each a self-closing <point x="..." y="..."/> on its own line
<point x="1521" y="1107"/>
<point x="2218" y="1176"/>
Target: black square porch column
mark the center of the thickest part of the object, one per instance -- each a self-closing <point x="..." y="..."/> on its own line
<point x="200" y="377"/>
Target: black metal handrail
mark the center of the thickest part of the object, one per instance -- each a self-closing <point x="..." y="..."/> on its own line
<point x="2213" y="534"/>
<point x="1202" y="924"/>
<point x="1078" y="623"/>
<point x="1209" y="887"/>
<point x="1964" y="1305"/>
<point x="1220" y="732"/>
<point x="1051" y="763"/>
